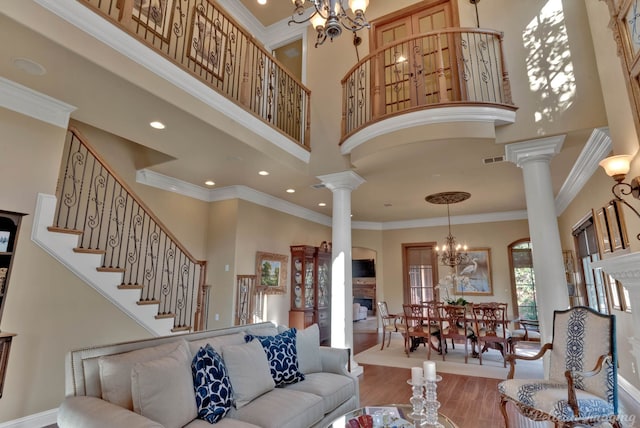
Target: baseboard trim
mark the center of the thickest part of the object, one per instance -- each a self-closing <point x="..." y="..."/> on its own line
<point x="42" y="419"/>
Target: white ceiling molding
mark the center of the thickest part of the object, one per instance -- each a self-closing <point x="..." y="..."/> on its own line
<point x="442" y="221"/>
<point x="164" y="182"/>
<point x="597" y="148"/>
<point x="497" y="116"/>
<point x="91" y="23"/>
<point x="23" y="100"/>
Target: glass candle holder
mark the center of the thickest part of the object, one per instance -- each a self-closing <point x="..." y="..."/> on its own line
<point x="417" y="401"/>
<point x="431" y="403"/>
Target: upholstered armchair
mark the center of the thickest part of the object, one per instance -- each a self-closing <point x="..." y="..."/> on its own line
<point x="581" y="388"/>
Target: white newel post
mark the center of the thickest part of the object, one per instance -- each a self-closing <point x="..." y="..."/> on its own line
<point x="341" y="185"/>
<point x="626" y="269"/>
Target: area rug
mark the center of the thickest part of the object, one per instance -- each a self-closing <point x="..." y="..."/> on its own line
<point x="492" y="363"/>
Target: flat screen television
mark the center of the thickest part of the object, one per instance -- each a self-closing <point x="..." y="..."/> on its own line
<point x="363" y="268"/>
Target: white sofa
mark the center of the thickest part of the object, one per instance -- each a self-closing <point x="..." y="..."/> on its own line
<point x="149" y="383"/>
<point x="359" y="312"/>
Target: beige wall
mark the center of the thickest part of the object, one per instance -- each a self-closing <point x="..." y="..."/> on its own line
<point x="496" y="236"/>
<point x="596" y="194"/>
<point x="50" y="309"/>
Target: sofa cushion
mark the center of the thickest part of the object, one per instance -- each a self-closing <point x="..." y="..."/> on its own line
<point x="217" y="342"/>
<point x="282" y="355"/>
<point x="248" y="371"/>
<point x="162" y="389"/>
<point x="115" y="371"/>
<point x="263" y="331"/>
<point x="308" y="349"/>
<point x="214" y="395"/>
<point x="334" y="389"/>
<point x="283" y="408"/>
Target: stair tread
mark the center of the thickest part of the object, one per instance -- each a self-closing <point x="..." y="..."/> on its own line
<point x="64" y="230"/>
<point x="110" y="269"/>
<point x="162" y="316"/>
<point x="130" y="287"/>
<point x="88" y="250"/>
<point x="148" y="302"/>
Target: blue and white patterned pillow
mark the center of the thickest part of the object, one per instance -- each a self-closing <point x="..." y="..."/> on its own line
<point x="214" y="395"/>
<point x="282" y="355"/>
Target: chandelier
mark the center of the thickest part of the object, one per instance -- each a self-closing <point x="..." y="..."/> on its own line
<point x="330" y="17"/>
<point x="450" y="253"/>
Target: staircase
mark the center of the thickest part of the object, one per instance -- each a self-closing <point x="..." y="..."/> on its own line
<point x="100" y="230"/>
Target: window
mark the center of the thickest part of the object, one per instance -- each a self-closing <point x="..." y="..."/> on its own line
<point x="420" y="272"/>
<point x="523" y="282"/>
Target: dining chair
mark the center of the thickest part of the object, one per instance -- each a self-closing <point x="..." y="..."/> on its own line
<point x="490" y="327"/>
<point x="421" y="326"/>
<point x="528" y="332"/>
<point x="391" y="323"/>
<point x="581" y="386"/>
<point x="455" y="324"/>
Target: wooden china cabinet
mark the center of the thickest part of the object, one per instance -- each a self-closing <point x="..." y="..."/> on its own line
<point x="9" y="228"/>
<point x="311" y="289"/>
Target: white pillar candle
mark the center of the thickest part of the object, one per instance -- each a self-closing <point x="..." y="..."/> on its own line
<point x="429" y="370"/>
<point x="416" y="375"/>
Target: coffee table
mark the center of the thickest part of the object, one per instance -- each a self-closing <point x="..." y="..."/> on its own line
<point x="404" y="409"/>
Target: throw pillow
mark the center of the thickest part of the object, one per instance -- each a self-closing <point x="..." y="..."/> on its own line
<point x="162" y="389"/>
<point x="282" y="356"/>
<point x="115" y="371"/>
<point x="248" y="370"/>
<point x="214" y="395"/>
<point x="308" y="348"/>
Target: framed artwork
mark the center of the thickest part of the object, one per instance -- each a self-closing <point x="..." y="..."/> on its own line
<point x="5" y="236"/>
<point x="154" y="15"/>
<point x="617" y="228"/>
<point x="474" y="277"/>
<point x="271" y="272"/>
<point x="602" y="231"/>
<point x="569" y="268"/>
<point x="208" y="43"/>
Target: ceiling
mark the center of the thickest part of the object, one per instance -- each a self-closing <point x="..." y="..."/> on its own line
<point x="397" y="180"/>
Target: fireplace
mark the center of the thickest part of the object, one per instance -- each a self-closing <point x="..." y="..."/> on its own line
<point x="364" y="292"/>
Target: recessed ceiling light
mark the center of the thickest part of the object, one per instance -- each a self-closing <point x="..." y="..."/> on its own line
<point x="210" y="183"/>
<point x="322" y="204"/>
<point x="291" y="190"/>
<point x="262" y="1"/>
<point x="29" y="66"/>
<point x="263" y="173"/>
<point x="157" y="124"/>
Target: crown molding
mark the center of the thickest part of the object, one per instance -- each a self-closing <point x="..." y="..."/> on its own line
<point x="597" y="148"/>
<point x="443" y="221"/>
<point x="245" y="18"/>
<point x="494" y="115"/>
<point x="21" y="99"/>
<point x="86" y="20"/>
<point x="170" y="184"/>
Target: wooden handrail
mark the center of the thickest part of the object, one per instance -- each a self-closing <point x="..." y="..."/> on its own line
<point x="94" y="200"/>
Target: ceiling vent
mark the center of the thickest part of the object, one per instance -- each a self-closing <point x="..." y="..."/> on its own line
<point x="319" y="186"/>
<point x="496" y="159"/>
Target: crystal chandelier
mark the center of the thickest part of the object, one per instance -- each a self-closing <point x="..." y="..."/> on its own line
<point x="450" y="253"/>
<point x="330" y="17"/>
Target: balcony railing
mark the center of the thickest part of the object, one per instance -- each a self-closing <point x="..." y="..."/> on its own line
<point x="453" y="66"/>
<point x="204" y="41"/>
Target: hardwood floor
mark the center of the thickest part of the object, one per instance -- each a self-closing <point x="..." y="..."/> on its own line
<point x="470" y="402"/>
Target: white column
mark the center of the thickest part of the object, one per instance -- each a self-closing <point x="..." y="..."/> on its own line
<point x="341" y="185"/>
<point x="551" y="288"/>
<point x="626" y="269"/>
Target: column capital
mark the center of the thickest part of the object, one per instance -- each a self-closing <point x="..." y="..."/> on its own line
<point x="342" y="180"/>
<point x="531" y="150"/>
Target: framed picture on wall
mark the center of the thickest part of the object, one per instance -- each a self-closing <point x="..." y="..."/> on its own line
<point x="474" y="277"/>
<point x="602" y="231"/>
<point x="271" y="272"/>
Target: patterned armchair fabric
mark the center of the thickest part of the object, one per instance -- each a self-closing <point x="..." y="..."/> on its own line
<point x="582" y="384"/>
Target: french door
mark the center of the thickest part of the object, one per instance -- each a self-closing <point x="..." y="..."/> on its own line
<point x="410" y="70"/>
<point x="420" y="272"/>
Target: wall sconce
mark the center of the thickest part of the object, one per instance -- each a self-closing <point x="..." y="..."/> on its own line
<point x="617" y="167"/>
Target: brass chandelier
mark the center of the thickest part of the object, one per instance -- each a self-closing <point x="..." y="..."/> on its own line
<point x="330" y="17"/>
<point x="451" y="253"/>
